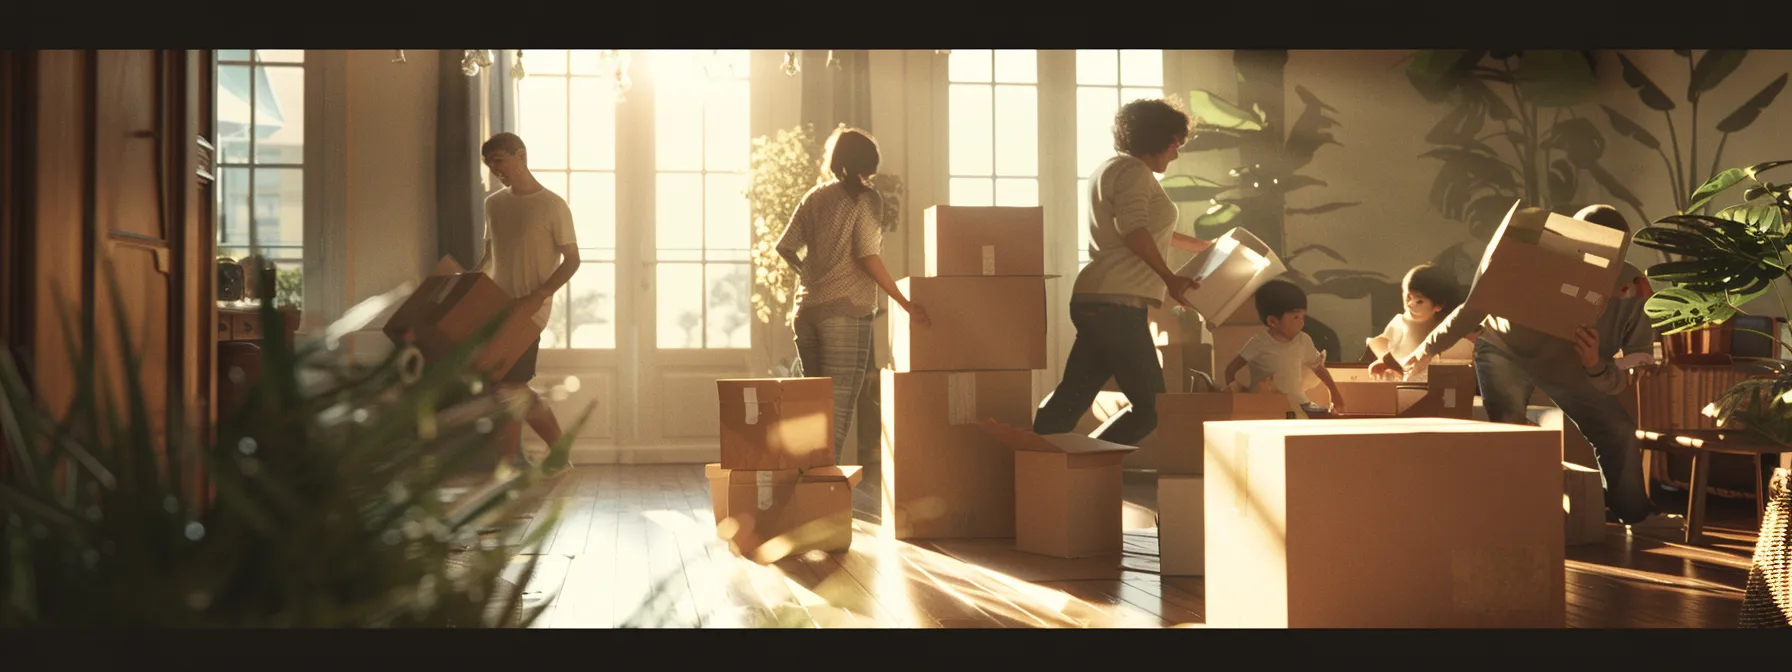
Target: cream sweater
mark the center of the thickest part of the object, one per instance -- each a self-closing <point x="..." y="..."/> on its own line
<point x="1124" y="195"/>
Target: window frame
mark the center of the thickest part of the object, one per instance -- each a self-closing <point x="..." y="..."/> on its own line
<point x="253" y="245"/>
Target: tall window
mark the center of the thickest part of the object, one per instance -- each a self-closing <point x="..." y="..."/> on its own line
<point x="1106" y="79"/>
<point x="261" y="160"/>
<point x="702" y="141"/>
<point x="566" y="110"/>
<point x="993" y="131"/>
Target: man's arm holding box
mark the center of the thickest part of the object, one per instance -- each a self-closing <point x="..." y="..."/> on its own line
<point x="1459" y="324"/>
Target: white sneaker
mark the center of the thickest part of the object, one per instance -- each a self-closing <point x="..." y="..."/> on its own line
<point x="1660" y="522"/>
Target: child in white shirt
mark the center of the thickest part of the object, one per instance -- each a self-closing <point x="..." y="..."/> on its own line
<point x="1283" y="353"/>
<point x="1429" y="294"/>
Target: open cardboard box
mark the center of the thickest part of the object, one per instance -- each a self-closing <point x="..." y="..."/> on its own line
<point x="1067" y="501"/>
<point x="450" y="306"/>
<point x="1547" y="272"/>
<point x="1230" y="273"/>
<point x="1450" y="393"/>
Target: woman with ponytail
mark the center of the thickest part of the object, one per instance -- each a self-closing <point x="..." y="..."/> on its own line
<point x="833" y="243"/>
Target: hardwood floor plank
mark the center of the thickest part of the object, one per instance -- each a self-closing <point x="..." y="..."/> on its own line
<point x="666" y="559"/>
<point x="1118" y="613"/>
<point x="586" y="601"/>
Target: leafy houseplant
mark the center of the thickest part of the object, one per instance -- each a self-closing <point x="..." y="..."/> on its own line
<point x="1706" y="73"/>
<point x="1725" y="261"/>
<point x="317" y="504"/>
<point x="1222" y="125"/>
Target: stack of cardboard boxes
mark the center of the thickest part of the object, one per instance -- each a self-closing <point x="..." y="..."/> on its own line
<point x="777" y="492"/>
<point x="983" y="286"/>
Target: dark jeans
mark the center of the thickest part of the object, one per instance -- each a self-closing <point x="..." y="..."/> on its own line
<point x="1506" y="387"/>
<point x="1112" y="341"/>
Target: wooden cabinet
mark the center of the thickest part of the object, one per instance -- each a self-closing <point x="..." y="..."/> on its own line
<point x="108" y="221"/>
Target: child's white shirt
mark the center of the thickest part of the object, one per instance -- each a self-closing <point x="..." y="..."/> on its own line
<point x="1287" y="365"/>
<point x="1404" y="335"/>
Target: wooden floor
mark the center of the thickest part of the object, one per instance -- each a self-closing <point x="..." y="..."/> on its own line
<point x="637" y="548"/>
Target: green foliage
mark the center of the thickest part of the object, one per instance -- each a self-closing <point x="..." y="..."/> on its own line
<point x="1707" y="72"/>
<point x="325" y="507"/>
<point x="783" y="168"/>
<point x="1222" y="125"/>
<point x="289" y="288"/>
<point x="1492" y="152"/>
<point x="1724" y="261"/>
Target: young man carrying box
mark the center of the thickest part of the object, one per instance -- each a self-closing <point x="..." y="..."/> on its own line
<point x="531" y="250"/>
<point x="1580" y="376"/>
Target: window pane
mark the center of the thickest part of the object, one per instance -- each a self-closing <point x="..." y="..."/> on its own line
<point x="279" y="206"/>
<point x="1017" y="130"/>
<point x="593" y="128"/>
<point x="280" y="55"/>
<point x="544" y="62"/>
<point x="1130" y="94"/>
<point x="1097" y="66"/>
<point x="678" y="119"/>
<point x="593" y="313"/>
<point x="727" y="137"/>
<point x="238" y="55"/>
<point x="971" y="191"/>
<point x="1017" y="66"/>
<point x="969" y="65"/>
<point x="593" y="202"/>
<point x="1095" y="107"/>
<point x="591" y="62"/>
<point x="541" y="123"/>
<point x="680" y="305"/>
<point x="280" y="117"/>
<point x="554" y="336"/>
<point x="1142" y="67"/>
<point x="233" y="207"/>
<point x="1083" y="217"/>
<point x="234" y="86"/>
<point x="678" y="215"/>
<point x="726" y="225"/>
<point x="970" y="118"/>
<point x="734" y="63"/>
<point x="729" y="305"/>
<point x="555" y="181"/>
<point x="1017" y="193"/>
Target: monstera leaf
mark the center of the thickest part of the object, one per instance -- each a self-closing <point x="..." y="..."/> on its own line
<point x="1724" y="261"/>
<point x="1677" y="309"/>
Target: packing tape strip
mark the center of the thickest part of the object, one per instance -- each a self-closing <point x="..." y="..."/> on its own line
<point x="989" y="260"/>
<point x="749" y="397"/>
<point x="1450" y="397"/>
<point x="961" y="398"/>
<point x="764" y="479"/>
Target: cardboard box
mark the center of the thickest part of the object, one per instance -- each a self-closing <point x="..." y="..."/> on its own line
<point x="1548" y="272"/>
<point x="1175" y="447"/>
<point x="942" y="477"/>
<point x="979" y="324"/>
<point x="1583" y="505"/>
<point x="1002" y="241"/>
<point x="769" y="515"/>
<point x="1450" y="393"/>
<point x="777" y="423"/>
<point x="1575" y="447"/>
<point x="1067" y="501"/>
<point x="1228" y="340"/>
<point x="449" y="306"/>
<point x="1371" y="524"/>
<point x="1181" y="526"/>
<point x="1230" y="273"/>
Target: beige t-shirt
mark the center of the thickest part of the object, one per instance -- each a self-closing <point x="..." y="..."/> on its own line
<point x="1404" y="335"/>
<point x="525" y="234"/>
<point x="1287" y="365"/>
<point x="832" y="230"/>
<point x="1124" y="195"/>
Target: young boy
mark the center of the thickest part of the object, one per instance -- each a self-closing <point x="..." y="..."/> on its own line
<point x="1430" y="293"/>
<point x="1580" y="376"/>
<point x="1283" y="353"/>
<point x="531" y="250"/>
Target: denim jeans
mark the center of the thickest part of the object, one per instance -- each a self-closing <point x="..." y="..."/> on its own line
<point x="1506" y="384"/>
<point x="1112" y="341"/>
<point x="838" y="348"/>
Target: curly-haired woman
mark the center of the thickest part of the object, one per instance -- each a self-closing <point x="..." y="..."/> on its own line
<point x="1132" y="226"/>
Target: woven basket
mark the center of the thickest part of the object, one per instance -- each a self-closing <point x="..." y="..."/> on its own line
<point x="1767" y="601"/>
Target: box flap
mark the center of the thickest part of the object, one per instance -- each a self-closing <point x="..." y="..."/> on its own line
<point x="852" y="474"/>
<point x="1026" y="440"/>
<point x="714" y="470"/>
<point x="447" y="266"/>
<point x="1566" y="237"/>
